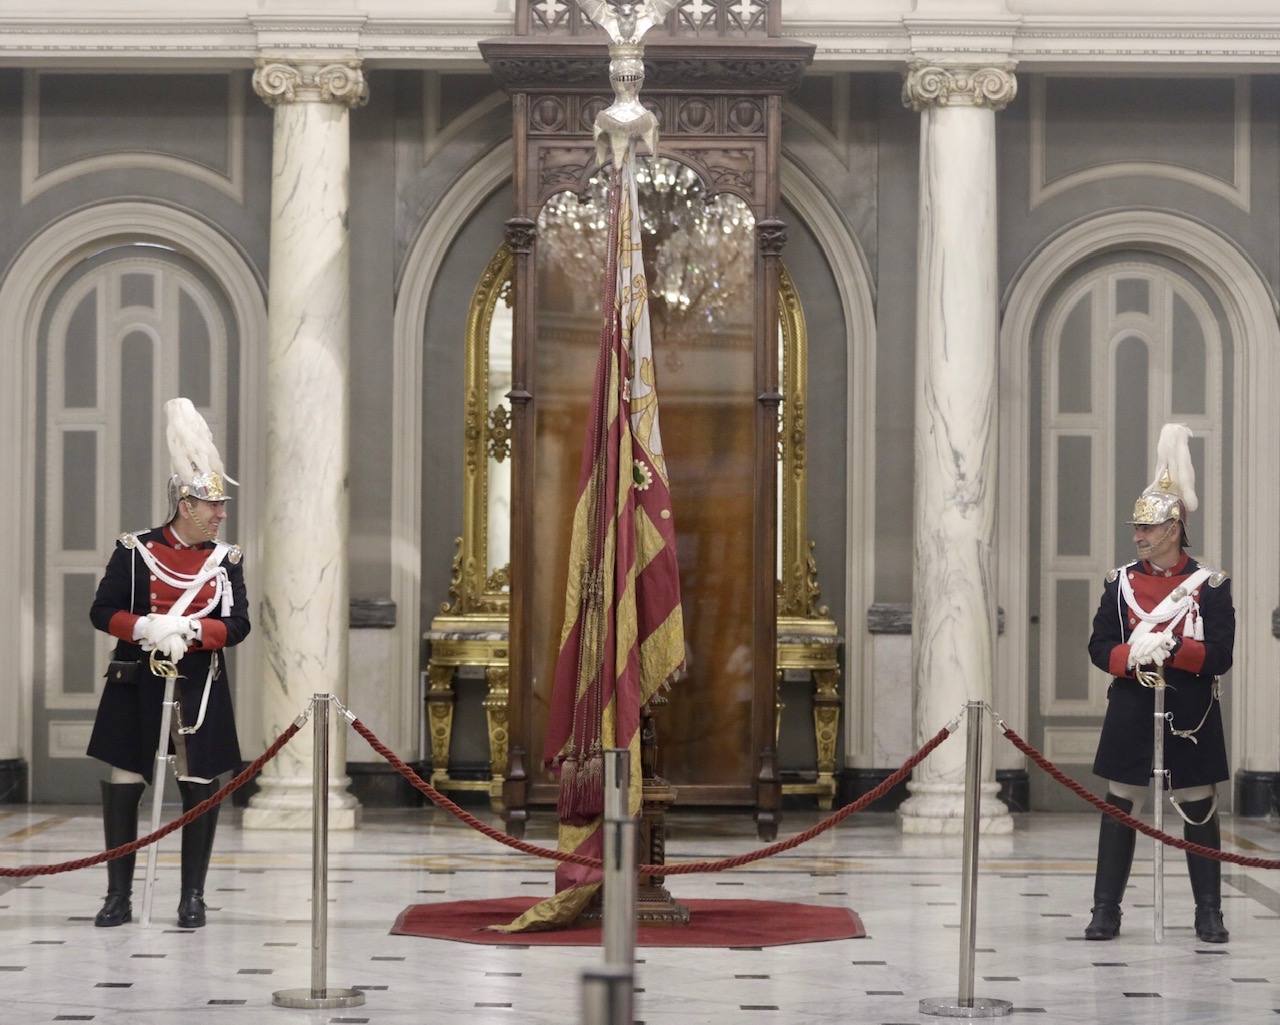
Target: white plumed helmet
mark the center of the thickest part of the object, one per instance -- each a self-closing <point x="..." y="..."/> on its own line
<point x="1171" y="495"/>
<point x="197" y="467"/>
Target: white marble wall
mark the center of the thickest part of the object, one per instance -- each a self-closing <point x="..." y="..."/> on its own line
<point x="892" y="737"/>
<point x="304" y="609"/>
<point x="374" y="693"/>
<point x="954" y="609"/>
<point x="12" y="720"/>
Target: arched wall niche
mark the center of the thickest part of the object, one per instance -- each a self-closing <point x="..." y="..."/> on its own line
<point x="25" y="290"/>
<point x="853" y="293"/>
<point x="1251" y="313"/>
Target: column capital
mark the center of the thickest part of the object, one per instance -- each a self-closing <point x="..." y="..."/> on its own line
<point x="520" y="233"/>
<point x="930" y="84"/>
<point x="280" y="80"/>
<point x="771" y="234"/>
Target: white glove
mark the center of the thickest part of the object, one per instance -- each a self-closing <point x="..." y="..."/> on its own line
<point x="1151" y="648"/>
<point x="172" y="648"/>
<point x="156" y="631"/>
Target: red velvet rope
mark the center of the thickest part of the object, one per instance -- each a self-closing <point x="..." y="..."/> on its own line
<point x="682" y="868"/>
<point x="135" y="845"/>
<point x="1129" y="820"/>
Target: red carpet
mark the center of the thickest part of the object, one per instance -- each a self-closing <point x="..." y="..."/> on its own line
<point x="714" y="923"/>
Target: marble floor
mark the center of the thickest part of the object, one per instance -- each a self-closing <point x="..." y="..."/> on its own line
<point x="1034" y="895"/>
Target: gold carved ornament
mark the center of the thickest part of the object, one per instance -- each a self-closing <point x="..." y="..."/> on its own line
<point x="475" y="587"/>
<point x="798" y="592"/>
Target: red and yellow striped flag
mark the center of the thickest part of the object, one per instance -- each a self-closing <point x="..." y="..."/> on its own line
<point x="623" y="633"/>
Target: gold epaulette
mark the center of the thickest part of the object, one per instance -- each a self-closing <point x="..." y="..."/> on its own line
<point x="1113" y="576"/>
<point x="128" y="540"/>
<point x="1217" y="578"/>
<point x="234" y="555"/>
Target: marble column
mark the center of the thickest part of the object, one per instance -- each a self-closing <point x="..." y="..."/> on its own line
<point x="303" y="614"/>
<point x="953" y="606"/>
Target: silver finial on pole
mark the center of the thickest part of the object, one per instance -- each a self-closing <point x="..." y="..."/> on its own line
<point x="626" y="120"/>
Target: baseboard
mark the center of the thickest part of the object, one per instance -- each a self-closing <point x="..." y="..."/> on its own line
<point x="13" y="781"/>
<point x="852" y="783"/>
<point x="1257" y="793"/>
<point x="378" y="785"/>
<point x="1015" y="788"/>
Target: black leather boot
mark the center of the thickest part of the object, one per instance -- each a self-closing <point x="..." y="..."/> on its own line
<point x="119" y="826"/>
<point x="197" y="846"/>
<point x="1115" y="858"/>
<point x="1205" y="873"/>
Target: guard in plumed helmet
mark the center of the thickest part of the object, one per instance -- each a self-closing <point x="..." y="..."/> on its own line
<point x="174" y="596"/>
<point x="1163" y="610"/>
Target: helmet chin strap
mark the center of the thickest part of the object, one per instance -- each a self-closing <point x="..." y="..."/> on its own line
<point x="1168" y="533"/>
<point x="209" y="535"/>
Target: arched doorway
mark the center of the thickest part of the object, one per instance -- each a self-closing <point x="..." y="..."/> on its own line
<point x="1121" y="323"/>
<point x="112" y="309"/>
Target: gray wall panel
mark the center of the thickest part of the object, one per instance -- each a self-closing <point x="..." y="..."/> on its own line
<point x="373" y="189"/>
<point x="1024" y="230"/>
<point x="422" y="181"/>
<point x="826" y="409"/>
<point x="895" y="271"/>
<point x="246" y="224"/>
<point x="442" y="392"/>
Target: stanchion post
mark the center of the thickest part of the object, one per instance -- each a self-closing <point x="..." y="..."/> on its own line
<point x="619" y="932"/>
<point x="319" y="995"/>
<point x="606" y="995"/>
<point x="966" y="1005"/>
<point x="1158" y="776"/>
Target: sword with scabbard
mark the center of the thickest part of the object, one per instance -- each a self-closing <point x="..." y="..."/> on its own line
<point x="162" y="667"/>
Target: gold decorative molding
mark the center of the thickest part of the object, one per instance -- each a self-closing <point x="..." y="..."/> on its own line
<point x="479" y="587"/>
<point x="499" y="445"/>
<point x="946" y="85"/>
<point x="797" y="589"/>
<point x="279" y="81"/>
<point x="453" y="606"/>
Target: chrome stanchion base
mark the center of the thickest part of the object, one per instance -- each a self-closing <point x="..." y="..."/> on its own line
<point x="978" y="1007"/>
<point x="307" y="998"/>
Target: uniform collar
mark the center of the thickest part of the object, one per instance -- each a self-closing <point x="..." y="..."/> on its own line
<point x="173" y="541"/>
<point x="1179" y="568"/>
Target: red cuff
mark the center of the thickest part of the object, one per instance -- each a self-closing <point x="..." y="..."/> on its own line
<point x="121" y="625"/>
<point x="213" y="635"/>
<point x="1189" y="656"/>
<point x="1118" y="663"/>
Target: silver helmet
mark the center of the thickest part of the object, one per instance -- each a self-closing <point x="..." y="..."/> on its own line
<point x="197" y="467"/>
<point x="1172" y="494"/>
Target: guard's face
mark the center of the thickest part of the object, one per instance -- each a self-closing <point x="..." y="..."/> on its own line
<point x="205" y="518"/>
<point x="1158" y="542"/>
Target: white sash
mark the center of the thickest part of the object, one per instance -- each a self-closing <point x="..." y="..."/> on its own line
<point x="191" y="584"/>
<point x="1172" y="610"/>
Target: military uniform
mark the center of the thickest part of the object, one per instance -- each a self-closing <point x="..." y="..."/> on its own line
<point x="127" y="726"/>
<point x="1125" y="747"/>
<point x="1171" y="624"/>
<point x="174" y="608"/>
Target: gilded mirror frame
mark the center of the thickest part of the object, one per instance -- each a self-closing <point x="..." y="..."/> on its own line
<point x="476" y="588"/>
<point x="798" y="591"/>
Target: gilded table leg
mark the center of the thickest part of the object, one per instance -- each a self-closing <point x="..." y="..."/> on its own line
<point x="440" y="719"/>
<point x="495" y="711"/>
<point x="826" y="728"/>
<point x="778" y="706"/>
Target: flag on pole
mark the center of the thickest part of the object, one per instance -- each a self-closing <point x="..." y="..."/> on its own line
<point x="623" y="633"/>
